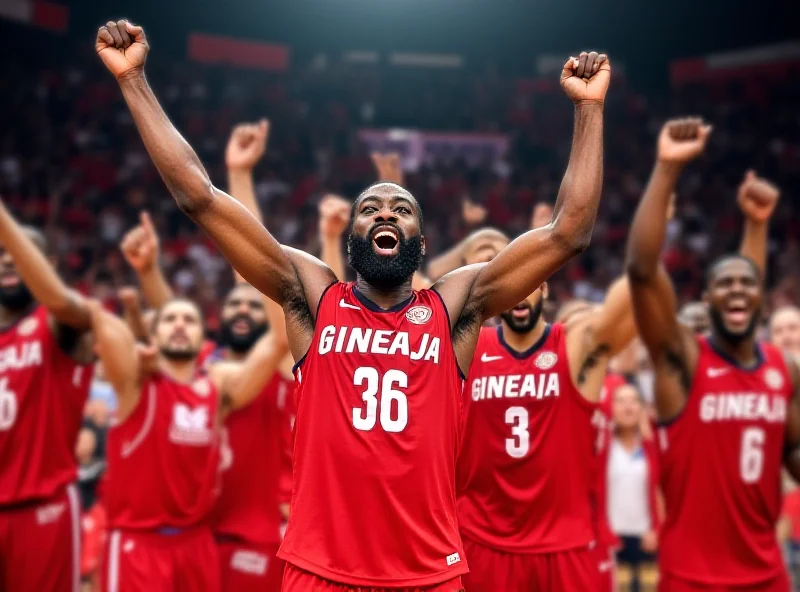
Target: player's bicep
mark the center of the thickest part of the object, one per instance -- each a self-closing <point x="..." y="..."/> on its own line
<point x="654" y="308"/>
<point x="314" y="278"/>
<point x="248" y="246"/>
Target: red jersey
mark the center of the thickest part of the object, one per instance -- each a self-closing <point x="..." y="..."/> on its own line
<point x="377" y="429"/>
<point x="721" y="472"/>
<point x="253" y="464"/>
<point x="526" y="464"/>
<point x="163" y="460"/>
<point x="42" y="395"/>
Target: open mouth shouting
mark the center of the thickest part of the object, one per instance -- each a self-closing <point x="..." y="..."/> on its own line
<point x="386" y="240"/>
<point x="737" y="314"/>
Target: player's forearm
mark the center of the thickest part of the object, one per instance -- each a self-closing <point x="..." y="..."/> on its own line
<point x="116" y="348"/>
<point x="755" y="243"/>
<point x="242" y="189"/>
<point x="258" y="368"/>
<point x="39" y="275"/>
<point x="176" y="161"/>
<point x="649" y="228"/>
<point x="155" y="287"/>
<point x="331" y="255"/>
<point x="617" y="326"/>
<point x="575" y="210"/>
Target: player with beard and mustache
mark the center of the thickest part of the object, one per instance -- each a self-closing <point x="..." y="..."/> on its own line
<point x="527" y="460"/>
<point x="728" y="405"/>
<point x="380" y="365"/>
<point x="164" y="450"/>
<point x="45" y="372"/>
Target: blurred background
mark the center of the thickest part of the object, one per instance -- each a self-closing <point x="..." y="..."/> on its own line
<point x="466" y="91"/>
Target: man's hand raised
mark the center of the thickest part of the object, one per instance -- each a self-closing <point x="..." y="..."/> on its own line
<point x="247" y="145"/>
<point x="122" y="47"/>
<point x="682" y="140"/>
<point x="586" y="78"/>
<point x="140" y="245"/>
<point x="757" y="197"/>
<point x="334" y="216"/>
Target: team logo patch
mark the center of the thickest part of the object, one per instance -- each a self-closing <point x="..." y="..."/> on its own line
<point x="419" y="315"/>
<point x="27" y="326"/>
<point x="546" y="360"/>
<point x="773" y="379"/>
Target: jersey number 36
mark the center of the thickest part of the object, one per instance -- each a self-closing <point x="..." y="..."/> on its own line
<point x="393" y="403"/>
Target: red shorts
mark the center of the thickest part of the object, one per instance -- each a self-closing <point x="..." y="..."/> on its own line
<point x="496" y="571"/>
<point x="250" y="568"/>
<point x="156" y="562"/>
<point x="667" y="583"/>
<point x="298" y="580"/>
<point x="40" y="545"/>
<point x="606" y="567"/>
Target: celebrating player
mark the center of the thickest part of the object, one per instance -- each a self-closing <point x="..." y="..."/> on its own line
<point x="727" y="403"/>
<point x="163" y="452"/>
<point x="45" y="373"/>
<point x="526" y="465"/>
<point x="379" y="375"/>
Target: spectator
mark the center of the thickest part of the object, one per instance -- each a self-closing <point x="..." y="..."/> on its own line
<point x="632" y="465"/>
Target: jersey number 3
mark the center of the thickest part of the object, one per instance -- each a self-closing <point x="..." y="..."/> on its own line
<point x="365" y="419"/>
<point x="8" y="406"/>
<point x="518" y="446"/>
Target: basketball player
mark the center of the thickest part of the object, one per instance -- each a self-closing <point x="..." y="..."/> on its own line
<point x="247" y="516"/>
<point x="726" y="404"/>
<point x="45" y="372"/>
<point x="379" y="365"/>
<point x="527" y="460"/>
<point x="163" y="451"/>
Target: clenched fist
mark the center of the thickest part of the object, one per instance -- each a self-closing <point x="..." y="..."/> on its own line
<point x="140" y="245"/>
<point x="682" y="140"/>
<point x="247" y="145"/>
<point x="334" y="216"/>
<point x="388" y="166"/>
<point x="757" y="197"/>
<point x="122" y="47"/>
<point x="586" y="78"/>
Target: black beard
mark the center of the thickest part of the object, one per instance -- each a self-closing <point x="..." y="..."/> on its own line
<point x="178" y="355"/>
<point x="240" y="343"/>
<point x="729" y="336"/>
<point x="16" y="298"/>
<point x="383" y="272"/>
<point x="527" y="326"/>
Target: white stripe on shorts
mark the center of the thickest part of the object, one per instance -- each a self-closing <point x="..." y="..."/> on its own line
<point x="113" y="561"/>
<point x="75" y="517"/>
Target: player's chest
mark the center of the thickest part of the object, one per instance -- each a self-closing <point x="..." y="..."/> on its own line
<point x="405" y="344"/>
<point x="187" y="421"/>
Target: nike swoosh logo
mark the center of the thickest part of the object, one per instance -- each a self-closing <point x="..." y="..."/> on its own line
<point x="344" y="304"/>
<point x="485" y="358"/>
<point x="715" y="372"/>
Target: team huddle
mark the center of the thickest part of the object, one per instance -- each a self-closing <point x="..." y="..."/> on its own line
<point x="410" y="430"/>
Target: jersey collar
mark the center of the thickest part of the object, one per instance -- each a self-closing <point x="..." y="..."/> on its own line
<point x="530" y="351"/>
<point x="370" y="305"/>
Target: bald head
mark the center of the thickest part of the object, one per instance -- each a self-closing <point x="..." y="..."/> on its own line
<point x="784" y="329"/>
<point x="386" y="188"/>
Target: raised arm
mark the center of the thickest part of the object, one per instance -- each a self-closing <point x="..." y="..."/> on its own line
<point x="246" y="146"/>
<point x="65" y="305"/>
<point x="529" y="260"/>
<point x="285" y="275"/>
<point x="334" y="216"/>
<point x="118" y="351"/>
<point x="141" y="249"/>
<point x="757" y="198"/>
<point x="240" y="383"/>
<point x="671" y="346"/>
<point x="132" y="313"/>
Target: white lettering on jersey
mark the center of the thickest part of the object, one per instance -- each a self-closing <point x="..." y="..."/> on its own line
<point x="20" y="356"/>
<point x="190" y="426"/>
<point x="537" y="386"/>
<point x="250" y="562"/>
<point x="382" y="342"/>
<point x="743" y="406"/>
<point x="49" y="513"/>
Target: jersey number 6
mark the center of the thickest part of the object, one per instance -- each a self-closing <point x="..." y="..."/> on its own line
<point x="8" y="406"/>
<point x="365" y="419"/>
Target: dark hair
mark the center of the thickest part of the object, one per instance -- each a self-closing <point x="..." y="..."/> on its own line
<point x="159" y="310"/>
<point x="375" y="184"/>
<point x="712" y="268"/>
